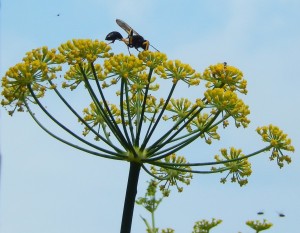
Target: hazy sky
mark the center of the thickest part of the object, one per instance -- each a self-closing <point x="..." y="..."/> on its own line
<point x="48" y="187"/>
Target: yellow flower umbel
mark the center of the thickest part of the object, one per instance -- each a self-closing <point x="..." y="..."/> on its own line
<point x="227" y="77"/>
<point x="74" y="76"/>
<point x="259" y="226"/>
<point x="130" y="127"/>
<point x="124" y="66"/>
<point x="152" y="59"/>
<point x="204" y="226"/>
<point x="236" y="164"/>
<point x="84" y="50"/>
<point x="201" y="124"/>
<point x="180" y="108"/>
<point x="278" y="142"/>
<point x="141" y="123"/>
<point x="228" y="102"/>
<point x="96" y="119"/>
<point x="172" y="174"/>
<point x="176" y="71"/>
<point x="28" y="80"/>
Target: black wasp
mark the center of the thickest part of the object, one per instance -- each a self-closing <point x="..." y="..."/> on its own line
<point x="134" y="40"/>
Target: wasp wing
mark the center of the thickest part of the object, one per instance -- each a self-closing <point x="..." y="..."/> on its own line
<point x="125" y="26"/>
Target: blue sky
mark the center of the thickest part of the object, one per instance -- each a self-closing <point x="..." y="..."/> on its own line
<point x="51" y="188"/>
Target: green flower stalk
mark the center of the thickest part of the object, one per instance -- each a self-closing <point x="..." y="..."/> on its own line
<point x="150" y="203"/>
<point x="138" y="125"/>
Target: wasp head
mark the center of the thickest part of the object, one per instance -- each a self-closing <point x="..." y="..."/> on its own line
<point x="112" y="36"/>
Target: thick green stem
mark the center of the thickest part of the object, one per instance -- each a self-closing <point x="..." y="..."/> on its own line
<point x="129" y="202"/>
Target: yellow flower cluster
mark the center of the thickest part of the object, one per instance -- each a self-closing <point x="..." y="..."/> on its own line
<point x="80" y="50"/>
<point x="171" y="175"/>
<point x="279" y="141"/>
<point x="77" y="73"/>
<point x="152" y="59"/>
<point x="38" y="66"/>
<point x="176" y="70"/>
<point x="94" y="116"/>
<point x="152" y="105"/>
<point x="275" y="137"/>
<point x="238" y="168"/>
<point x="134" y="69"/>
<point x="259" y="226"/>
<point x="45" y="56"/>
<point x="205" y="226"/>
<point x="124" y="66"/>
<point x="140" y="81"/>
<point x="180" y="107"/>
<point x="226" y="100"/>
<point x="200" y="122"/>
<point x="227" y="77"/>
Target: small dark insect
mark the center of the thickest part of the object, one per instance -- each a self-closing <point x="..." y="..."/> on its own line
<point x="260" y="213"/>
<point x="225" y="65"/>
<point x="58" y="15"/>
<point x="281" y="215"/>
<point x="134" y="40"/>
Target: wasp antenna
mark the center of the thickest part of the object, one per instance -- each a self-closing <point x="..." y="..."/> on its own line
<point x="154" y="48"/>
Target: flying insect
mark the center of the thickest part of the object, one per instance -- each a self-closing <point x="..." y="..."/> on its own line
<point x="134" y="40"/>
<point x="281" y="215"/>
